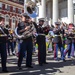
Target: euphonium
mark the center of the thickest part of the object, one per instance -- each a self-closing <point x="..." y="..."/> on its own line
<point x="27" y="33"/>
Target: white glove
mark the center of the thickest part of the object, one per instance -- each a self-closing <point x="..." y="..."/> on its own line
<point x="36" y="34"/>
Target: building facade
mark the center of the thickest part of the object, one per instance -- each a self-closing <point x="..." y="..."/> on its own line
<point x="11" y="10"/>
<point x="50" y="10"/>
<point x="57" y="10"/>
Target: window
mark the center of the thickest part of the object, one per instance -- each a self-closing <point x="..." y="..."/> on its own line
<point x="19" y="19"/>
<point x="7" y="18"/>
<point x="0" y="5"/>
<point x="13" y="20"/>
<point x="19" y="11"/>
<point x="8" y="8"/>
<point x="21" y="1"/>
<point x="14" y="9"/>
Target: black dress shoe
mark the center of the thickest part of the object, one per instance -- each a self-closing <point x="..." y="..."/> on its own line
<point x="40" y="64"/>
<point x="13" y="53"/>
<point x="20" y="68"/>
<point x="64" y="60"/>
<point x="5" y="71"/>
<point x="45" y="63"/>
<point x="29" y="66"/>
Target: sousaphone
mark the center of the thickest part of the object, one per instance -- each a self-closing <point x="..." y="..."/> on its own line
<point x="32" y="10"/>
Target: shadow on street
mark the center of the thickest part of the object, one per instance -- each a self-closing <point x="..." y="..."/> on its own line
<point x="46" y="69"/>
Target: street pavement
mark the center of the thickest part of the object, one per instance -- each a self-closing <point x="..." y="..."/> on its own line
<point x="52" y="68"/>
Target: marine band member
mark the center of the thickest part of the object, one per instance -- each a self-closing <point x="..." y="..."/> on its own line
<point x="3" y="40"/>
<point x="41" y="41"/>
<point x="69" y="39"/>
<point x="26" y="43"/>
<point x="58" y="42"/>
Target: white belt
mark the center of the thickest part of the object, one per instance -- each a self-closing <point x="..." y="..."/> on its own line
<point x="42" y="34"/>
<point x="3" y="35"/>
<point x="56" y="35"/>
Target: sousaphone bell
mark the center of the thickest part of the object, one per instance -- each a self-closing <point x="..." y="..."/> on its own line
<point x="31" y="9"/>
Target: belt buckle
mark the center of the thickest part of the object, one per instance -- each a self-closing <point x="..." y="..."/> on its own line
<point x="0" y="34"/>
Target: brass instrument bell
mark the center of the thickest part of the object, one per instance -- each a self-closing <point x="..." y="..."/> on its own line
<point x="31" y="9"/>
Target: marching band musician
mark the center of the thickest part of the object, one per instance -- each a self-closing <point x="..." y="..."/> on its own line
<point x="73" y="42"/>
<point x="69" y="38"/>
<point x="10" y="42"/>
<point x="3" y="40"/>
<point x="26" y="44"/>
<point x="41" y="44"/>
<point x="62" y="27"/>
<point x="58" y="41"/>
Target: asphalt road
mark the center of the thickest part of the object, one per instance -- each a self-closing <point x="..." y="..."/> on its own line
<point x="53" y="68"/>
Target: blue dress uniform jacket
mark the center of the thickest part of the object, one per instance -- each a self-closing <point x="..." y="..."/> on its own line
<point x="3" y="51"/>
<point x="3" y="39"/>
<point x="41" y="46"/>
